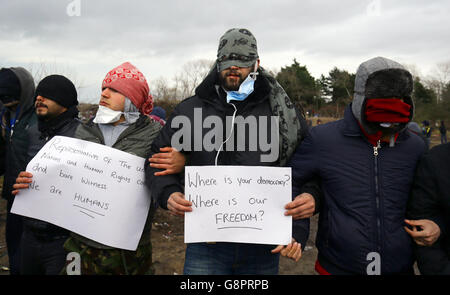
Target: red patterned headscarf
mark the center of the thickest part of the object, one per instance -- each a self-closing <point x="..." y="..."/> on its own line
<point x="129" y="81"/>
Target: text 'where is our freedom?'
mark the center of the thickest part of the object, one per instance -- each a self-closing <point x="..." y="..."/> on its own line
<point x="242" y="204"/>
<point x="88" y="188"/>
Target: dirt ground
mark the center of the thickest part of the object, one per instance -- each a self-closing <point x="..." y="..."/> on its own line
<point x="169" y="248"/>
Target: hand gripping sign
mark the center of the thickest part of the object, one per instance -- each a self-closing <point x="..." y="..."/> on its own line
<point x="88" y="188"/>
<point x="242" y="204"/>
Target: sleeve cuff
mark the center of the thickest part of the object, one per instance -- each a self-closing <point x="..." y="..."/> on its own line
<point x="300" y="231"/>
<point x="316" y="195"/>
<point x="166" y="194"/>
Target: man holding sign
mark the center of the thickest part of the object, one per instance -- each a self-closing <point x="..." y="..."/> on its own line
<point x="121" y="123"/>
<point x="237" y="95"/>
<point x="56" y="108"/>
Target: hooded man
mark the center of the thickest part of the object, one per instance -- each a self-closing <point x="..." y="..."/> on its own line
<point x="121" y="122"/>
<point x="56" y="104"/>
<point x="17" y="116"/>
<point x="236" y="89"/>
<point x="366" y="164"/>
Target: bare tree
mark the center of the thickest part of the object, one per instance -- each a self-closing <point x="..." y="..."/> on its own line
<point x="412" y="68"/>
<point x="439" y="78"/>
<point x="161" y="89"/>
<point x="184" y="82"/>
<point x="191" y="75"/>
<point x="40" y="70"/>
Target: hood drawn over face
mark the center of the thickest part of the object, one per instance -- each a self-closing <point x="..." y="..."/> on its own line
<point x="27" y="89"/>
<point x="381" y="78"/>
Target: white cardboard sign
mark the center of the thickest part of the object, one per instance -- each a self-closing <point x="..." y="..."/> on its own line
<point x="243" y="204"/>
<point x="88" y="188"/>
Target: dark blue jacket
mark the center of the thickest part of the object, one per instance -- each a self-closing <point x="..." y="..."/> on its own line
<point x="364" y="195"/>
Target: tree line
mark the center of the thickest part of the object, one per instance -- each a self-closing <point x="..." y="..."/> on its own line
<point x="328" y="95"/>
<point x="325" y="96"/>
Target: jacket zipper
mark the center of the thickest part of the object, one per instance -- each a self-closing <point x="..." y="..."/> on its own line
<point x="377" y="196"/>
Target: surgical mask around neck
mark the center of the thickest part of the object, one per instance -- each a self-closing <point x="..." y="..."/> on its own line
<point x="246" y="87"/>
<point x="106" y="115"/>
<point x="130" y="111"/>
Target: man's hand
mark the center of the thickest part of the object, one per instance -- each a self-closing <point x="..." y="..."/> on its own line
<point x="177" y="204"/>
<point x="427" y="236"/>
<point x="169" y="159"/>
<point x="303" y="206"/>
<point x="22" y="182"/>
<point x="293" y="250"/>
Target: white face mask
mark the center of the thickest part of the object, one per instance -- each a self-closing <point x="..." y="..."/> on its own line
<point x="106" y="115"/>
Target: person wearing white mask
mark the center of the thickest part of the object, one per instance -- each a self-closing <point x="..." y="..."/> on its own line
<point x="122" y="123"/>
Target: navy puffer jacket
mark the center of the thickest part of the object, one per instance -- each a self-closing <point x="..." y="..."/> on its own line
<point x="365" y="195"/>
<point x="365" y="187"/>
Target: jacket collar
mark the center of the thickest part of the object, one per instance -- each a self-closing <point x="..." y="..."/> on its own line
<point x="351" y="127"/>
<point x="56" y="125"/>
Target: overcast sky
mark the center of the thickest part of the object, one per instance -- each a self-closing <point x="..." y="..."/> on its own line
<point x="85" y="39"/>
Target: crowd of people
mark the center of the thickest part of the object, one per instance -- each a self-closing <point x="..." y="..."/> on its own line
<point x="379" y="192"/>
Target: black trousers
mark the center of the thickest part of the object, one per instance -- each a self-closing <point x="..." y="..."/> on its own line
<point x="13" y="234"/>
<point x="42" y="255"/>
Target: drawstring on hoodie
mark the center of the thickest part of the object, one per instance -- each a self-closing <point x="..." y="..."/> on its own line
<point x="12" y="122"/>
<point x="229" y="136"/>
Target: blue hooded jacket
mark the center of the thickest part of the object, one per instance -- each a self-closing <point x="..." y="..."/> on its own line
<point x="365" y="191"/>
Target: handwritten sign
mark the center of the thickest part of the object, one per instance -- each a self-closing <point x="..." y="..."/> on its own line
<point x="238" y="204"/>
<point x="88" y="188"/>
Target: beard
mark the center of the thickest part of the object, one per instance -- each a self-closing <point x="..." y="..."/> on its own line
<point x="231" y="80"/>
<point x="42" y="113"/>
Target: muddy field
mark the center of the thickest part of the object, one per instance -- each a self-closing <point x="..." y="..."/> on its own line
<point x="168" y="248"/>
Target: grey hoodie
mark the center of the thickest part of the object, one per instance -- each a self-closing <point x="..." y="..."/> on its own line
<point x="380" y="77"/>
<point x="17" y="142"/>
<point x="27" y="88"/>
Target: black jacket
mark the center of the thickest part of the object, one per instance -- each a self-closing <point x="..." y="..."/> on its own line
<point x="210" y="99"/>
<point x="16" y="138"/>
<point x="63" y="125"/>
<point x="430" y="199"/>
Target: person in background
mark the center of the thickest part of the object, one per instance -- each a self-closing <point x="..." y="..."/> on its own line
<point x="443" y="132"/>
<point x="159" y="115"/>
<point x="427" y="130"/>
<point x="415" y="128"/>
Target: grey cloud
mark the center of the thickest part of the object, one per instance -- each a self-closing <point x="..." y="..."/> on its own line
<point x="173" y="32"/>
